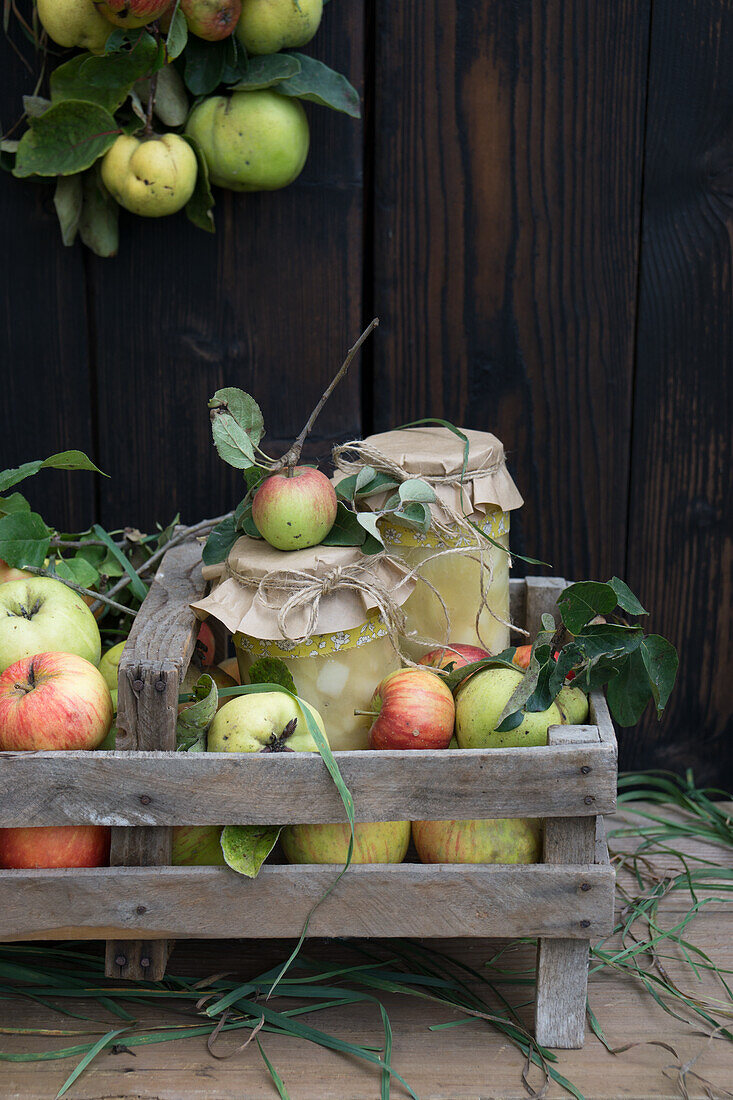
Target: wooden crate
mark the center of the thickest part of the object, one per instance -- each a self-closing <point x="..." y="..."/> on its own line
<point x="140" y="904"/>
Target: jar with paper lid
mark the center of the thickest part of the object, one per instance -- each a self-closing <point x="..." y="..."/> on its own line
<point x="327" y="612"/>
<point x="463" y="573"/>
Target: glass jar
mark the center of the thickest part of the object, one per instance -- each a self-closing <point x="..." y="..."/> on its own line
<point x="314" y="610"/>
<point x="475" y="491"/>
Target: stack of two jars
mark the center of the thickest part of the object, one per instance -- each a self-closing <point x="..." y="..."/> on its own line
<point x="329" y="612"/>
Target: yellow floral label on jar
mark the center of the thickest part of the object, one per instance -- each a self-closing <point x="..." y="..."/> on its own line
<point x="320" y="645"/>
<point x="494" y="524"/>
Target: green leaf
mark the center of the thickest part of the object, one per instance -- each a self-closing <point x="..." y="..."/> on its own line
<point x="502" y="660"/>
<point x="16" y="502"/>
<point x="220" y="542"/>
<point x="581" y="602"/>
<point x="205" y="63"/>
<point x="415" y="515"/>
<point x="120" y="71"/>
<point x="89" y="1057"/>
<point x="609" y="640"/>
<point x="35" y="105"/>
<point x="319" y="84"/>
<point x="628" y="692"/>
<point x="175" y="43"/>
<point x="199" y="207"/>
<point x="193" y="722"/>
<point x="370" y="522"/>
<point x="98" y="226"/>
<point x="78" y="570"/>
<point x="232" y="442"/>
<point x="71" y="81"/>
<point x="661" y="662"/>
<point x="346" y="531"/>
<point x="68" y="138"/>
<point x="271" y="670"/>
<point x="171" y="102"/>
<point x="137" y="586"/>
<point x="245" y="411"/>
<point x="24" y="539"/>
<point x="625" y="598"/>
<point x="267" y="70"/>
<point x="365" y="475"/>
<point x="246" y="847"/>
<point x="68" y="200"/>
<point x="64" y="460"/>
<point x="415" y="489"/>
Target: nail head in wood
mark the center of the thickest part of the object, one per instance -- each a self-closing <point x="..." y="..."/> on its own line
<point x="140" y="909"/>
<point x="160" y="685"/>
<point x="586" y="769"/>
<point x="120" y="960"/>
<point x="589" y="799"/>
<point x="145" y="799"/>
<point x="584" y="886"/>
<point x="585" y="924"/>
<point x="145" y="963"/>
<point x="137" y="685"/>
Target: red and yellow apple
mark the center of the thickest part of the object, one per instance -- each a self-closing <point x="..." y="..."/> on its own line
<point x="522" y="656"/>
<point x="293" y="512"/>
<point x="54" y="846"/>
<point x="206" y="645"/>
<point x="10" y="573"/>
<point x="53" y="701"/>
<point x="44" y="616"/>
<point x="374" y="842"/>
<point x="414" y="710"/>
<point x="197" y="846"/>
<point x="493" y="840"/>
<point x="454" y="655"/>
<point x="131" y="13"/>
<point x="211" y="19"/>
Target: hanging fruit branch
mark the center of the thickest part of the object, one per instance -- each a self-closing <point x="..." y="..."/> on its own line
<point x="118" y="126"/>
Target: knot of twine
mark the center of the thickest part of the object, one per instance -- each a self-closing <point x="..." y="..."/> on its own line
<point x="366" y="455"/>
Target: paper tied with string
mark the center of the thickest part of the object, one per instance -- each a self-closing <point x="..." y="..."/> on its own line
<point x="290" y="596"/>
<point x="436" y="455"/>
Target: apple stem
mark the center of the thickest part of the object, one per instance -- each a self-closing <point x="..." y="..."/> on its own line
<point x="291" y="458"/>
<point x="366" y="713"/>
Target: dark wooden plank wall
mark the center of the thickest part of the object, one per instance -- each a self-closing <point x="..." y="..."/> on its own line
<point x="538" y="207"/>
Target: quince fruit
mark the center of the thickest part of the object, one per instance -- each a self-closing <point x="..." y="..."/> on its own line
<point x="252" y="141"/>
<point x="151" y="176"/>
<point x="267" y="26"/>
<point x="74" y="23"/>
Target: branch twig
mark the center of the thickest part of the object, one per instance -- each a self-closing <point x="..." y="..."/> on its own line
<point x="98" y="596"/>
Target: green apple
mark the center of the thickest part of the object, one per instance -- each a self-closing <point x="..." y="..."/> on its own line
<point x="44" y="616"/>
<point x="152" y="177"/>
<point x="268" y="26"/>
<point x="74" y="23"/>
<point x="109" y="665"/>
<point x="573" y="704"/>
<point x="479" y="704"/>
<point x="197" y="846"/>
<point x="492" y="840"/>
<point x="374" y="842"/>
<point x="252" y="141"/>
<point x="268" y="721"/>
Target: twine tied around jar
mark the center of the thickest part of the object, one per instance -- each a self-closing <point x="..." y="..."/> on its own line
<point x="367" y="455"/>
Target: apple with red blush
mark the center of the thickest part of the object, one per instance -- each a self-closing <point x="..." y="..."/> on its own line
<point x="412" y="709"/>
<point x="54" y="846"/>
<point x="295" y="509"/>
<point x="53" y="701"/>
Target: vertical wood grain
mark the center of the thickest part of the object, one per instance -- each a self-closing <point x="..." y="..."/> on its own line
<point x="270" y="303"/>
<point x="680" y="547"/>
<point x="508" y="168"/>
<point x="43" y="328"/>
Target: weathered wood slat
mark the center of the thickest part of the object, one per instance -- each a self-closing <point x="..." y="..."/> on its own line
<point x="370" y="900"/>
<point x="562" y="964"/>
<point x="221" y="788"/>
<point x="541" y="599"/>
<point x="154" y="661"/>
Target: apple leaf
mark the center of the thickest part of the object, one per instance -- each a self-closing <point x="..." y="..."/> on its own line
<point x="66" y="139"/>
<point x="628" y="691"/>
<point x="417" y="490"/>
<point x="76" y="569"/>
<point x="271" y="670"/>
<point x="347" y="489"/>
<point x="207" y="63"/>
<point x="319" y="84"/>
<point x="16" y="502"/>
<point x="501" y="660"/>
<point x="98" y="226"/>
<point x="245" y="411"/>
<point x="68" y="200"/>
<point x="137" y="585"/>
<point x="24" y="539"/>
<point x="232" y="442"/>
<point x="625" y="598"/>
<point x="220" y="542"/>
<point x="64" y="460"/>
<point x="346" y="531"/>
<point x="69" y="81"/>
<point x="175" y="43"/>
<point x="122" y="69"/>
<point x="199" y="206"/>
<point x="415" y="514"/>
<point x="265" y="71"/>
<point x="660" y="662"/>
<point x="581" y="602"/>
<point x="193" y="722"/>
<point x="246" y="847"/>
